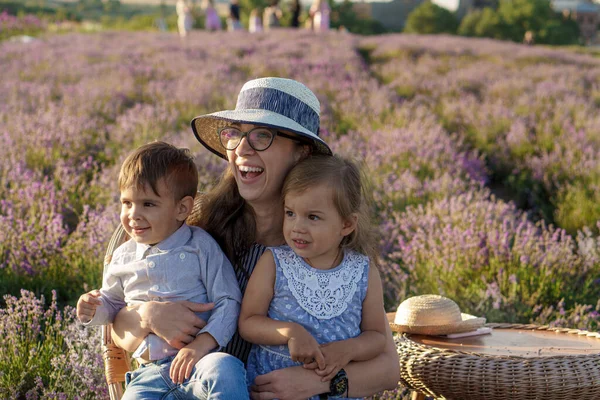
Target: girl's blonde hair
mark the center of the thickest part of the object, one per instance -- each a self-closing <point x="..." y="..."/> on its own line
<point x="351" y="195"/>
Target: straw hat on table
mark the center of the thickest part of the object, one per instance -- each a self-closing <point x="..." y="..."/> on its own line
<point x="431" y="314"/>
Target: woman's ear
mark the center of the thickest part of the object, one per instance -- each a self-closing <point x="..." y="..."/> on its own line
<point x="184" y="208"/>
<point x="304" y="151"/>
<point x="349" y="224"/>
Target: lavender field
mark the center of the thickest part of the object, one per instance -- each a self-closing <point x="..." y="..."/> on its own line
<point x="484" y="155"/>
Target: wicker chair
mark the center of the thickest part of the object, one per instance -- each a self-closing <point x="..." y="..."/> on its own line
<point x="116" y="360"/>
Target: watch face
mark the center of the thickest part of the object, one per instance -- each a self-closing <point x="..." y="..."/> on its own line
<point x="339" y="384"/>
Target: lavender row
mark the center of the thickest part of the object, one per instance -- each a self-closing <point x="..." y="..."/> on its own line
<point x="532" y="112"/>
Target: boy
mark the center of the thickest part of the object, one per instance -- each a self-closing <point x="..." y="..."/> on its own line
<point x="166" y="260"/>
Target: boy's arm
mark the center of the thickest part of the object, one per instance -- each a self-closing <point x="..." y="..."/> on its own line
<point x="254" y="325"/>
<point x="185" y="360"/>
<point x="112" y="298"/>
<point x="222" y="289"/>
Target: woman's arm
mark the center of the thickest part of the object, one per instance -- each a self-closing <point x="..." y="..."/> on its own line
<point x="176" y="323"/>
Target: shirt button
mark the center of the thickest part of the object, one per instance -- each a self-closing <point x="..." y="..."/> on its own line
<point x="151" y="264"/>
<point x="182" y="255"/>
<point x="154" y="288"/>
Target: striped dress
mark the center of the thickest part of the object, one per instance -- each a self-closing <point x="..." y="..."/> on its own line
<point x="238" y="347"/>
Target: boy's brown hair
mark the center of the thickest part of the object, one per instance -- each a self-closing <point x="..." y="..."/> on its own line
<point x="153" y="161"/>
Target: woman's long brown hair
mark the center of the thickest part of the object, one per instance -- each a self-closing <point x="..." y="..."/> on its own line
<point x="228" y="219"/>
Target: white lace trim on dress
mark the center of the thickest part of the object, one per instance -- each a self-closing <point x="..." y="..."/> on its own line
<point x="322" y="294"/>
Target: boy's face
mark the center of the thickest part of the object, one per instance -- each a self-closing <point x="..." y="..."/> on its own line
<point x="148" y="218"/>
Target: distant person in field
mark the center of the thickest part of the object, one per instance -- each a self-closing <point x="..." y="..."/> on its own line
<point x="254" y="22"/>
<point x="296" y="10"/>
<point x="184" y="18"/>
<point x="234" y="23"/>
<point x="272" y="16"/>
<point x="167" y="260"/>
<point x="319" y="14"/>
<point x="315" y="301"/>
<point x="212" y="21"/>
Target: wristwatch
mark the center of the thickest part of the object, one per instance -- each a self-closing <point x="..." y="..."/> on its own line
<point x="338" y="386"/>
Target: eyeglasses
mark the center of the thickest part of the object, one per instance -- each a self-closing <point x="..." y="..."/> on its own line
<point x="259" y="138"/>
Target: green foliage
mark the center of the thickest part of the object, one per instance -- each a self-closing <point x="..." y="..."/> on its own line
<point x="515" y="17"/>
<point x="559" y="32"/>
<point x="577" y="206"/>
<point x="138" y="22"/>
<point x="342" y="14"/>
<point x="521" y="16"/>
<point x="482" y="23"/>
<point x="93" y="10"/>
<point x="430" y="18"/>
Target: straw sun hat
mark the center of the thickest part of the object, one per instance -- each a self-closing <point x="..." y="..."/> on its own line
<point x="431" y="314"/>
<point x="272" y="102"/>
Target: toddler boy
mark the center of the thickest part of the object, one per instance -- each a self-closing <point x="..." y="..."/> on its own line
<point x="165" y="260"/>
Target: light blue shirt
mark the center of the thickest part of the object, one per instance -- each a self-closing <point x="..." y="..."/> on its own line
<point x="188" y="265"/>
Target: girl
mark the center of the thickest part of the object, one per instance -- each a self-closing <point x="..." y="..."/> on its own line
<point x="316" y="302"/>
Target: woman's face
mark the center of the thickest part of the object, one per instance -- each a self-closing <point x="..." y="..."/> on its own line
<point x="260" y="174"/>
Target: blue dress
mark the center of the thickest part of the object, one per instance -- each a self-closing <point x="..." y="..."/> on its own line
<point x="328" y="303"/>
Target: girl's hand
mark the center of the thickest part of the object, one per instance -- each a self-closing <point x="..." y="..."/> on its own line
<point x="337" y="356"/>
<point x="305" y="349"/>
<point x="87" y="304"/>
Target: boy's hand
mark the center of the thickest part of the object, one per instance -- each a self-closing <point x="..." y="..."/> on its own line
<point x="87" y="304"/>
<point x="184" y="362"/>
<point x="305" y="349"/>
<point x="337" y="356"/>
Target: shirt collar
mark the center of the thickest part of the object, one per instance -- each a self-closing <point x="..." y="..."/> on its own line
<point x="179" y="238"/>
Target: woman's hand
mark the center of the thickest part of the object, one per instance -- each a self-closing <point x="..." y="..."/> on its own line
<point x="293" y="383"/>
<point x="175" y="322"/>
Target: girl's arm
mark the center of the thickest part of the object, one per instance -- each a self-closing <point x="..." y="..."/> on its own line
<point x="369" y="344"/>
<point x="254" y="325"/>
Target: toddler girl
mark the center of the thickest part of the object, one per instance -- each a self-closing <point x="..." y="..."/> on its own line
<point x="316" y="301"/>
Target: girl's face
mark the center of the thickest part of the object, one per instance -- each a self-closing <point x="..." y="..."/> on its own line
<point x="259" y="174"/>
<point x="313" y="227"/>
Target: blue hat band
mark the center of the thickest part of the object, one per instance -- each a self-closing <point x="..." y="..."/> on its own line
<point x="281" y="103"/>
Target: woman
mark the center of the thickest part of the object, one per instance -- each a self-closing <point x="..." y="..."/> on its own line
<point x="275" y="125"/>
<point x="184" y="18"/>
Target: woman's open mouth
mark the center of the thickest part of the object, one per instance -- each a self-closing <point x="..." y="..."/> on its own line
<point x="247" y="172"/>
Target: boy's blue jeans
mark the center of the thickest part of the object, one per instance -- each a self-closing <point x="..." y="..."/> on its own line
<point x="217" y="376"/>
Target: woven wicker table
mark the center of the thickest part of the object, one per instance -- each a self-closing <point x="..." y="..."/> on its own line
<point x="514" y="362"/>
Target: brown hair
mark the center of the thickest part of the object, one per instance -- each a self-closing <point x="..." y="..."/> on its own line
<point x="153" y="161"/>
<point x="350" y="196"/>
<point x="228" y="218"/>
